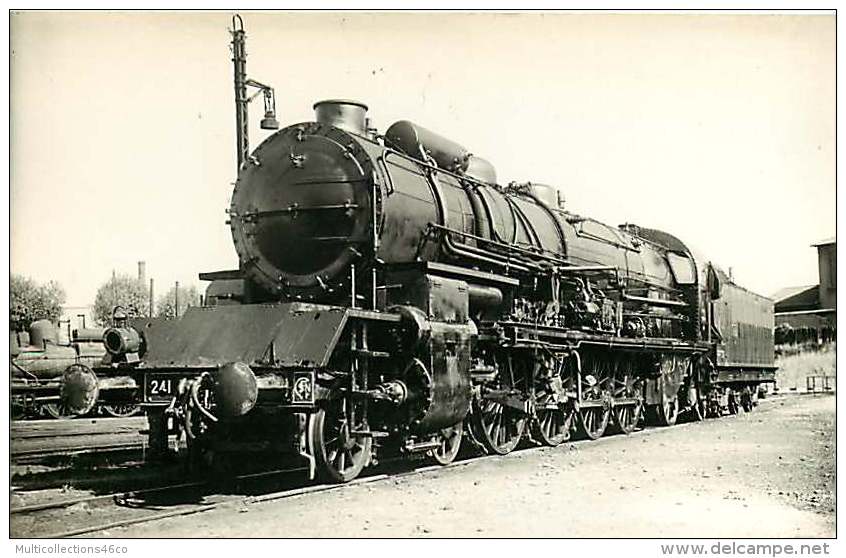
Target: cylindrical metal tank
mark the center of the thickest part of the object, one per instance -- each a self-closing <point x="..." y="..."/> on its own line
<point x="42" y="331"/>
<point x="88" y="334"/>
<point x="481" y="169"/>
<point x="416" y="141"/>
<point x="50" y="362"/>
<point x="545" y="194"/>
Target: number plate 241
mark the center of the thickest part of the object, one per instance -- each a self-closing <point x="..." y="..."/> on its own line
<point x="161" y="387"/>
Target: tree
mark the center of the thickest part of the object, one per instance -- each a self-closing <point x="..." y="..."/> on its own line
<point x="188" y="296"/>
<point x="120" y="290"/>
<point x="30" y="301"/>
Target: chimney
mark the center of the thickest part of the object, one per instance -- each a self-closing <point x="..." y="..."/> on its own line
<point x="343" y="114"/>
<point x="142" y="272"/>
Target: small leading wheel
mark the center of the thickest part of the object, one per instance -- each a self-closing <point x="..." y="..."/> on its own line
<point x="665" y="414"/>
<point x="497" y="426"/>
<point x="340" y="454"/>
<point x="551" y="426"/>
<point x="593" y="420"/>
<point x="57" y="411"/>
<point x="450" y="439"/>
<point x="121" y="410"/>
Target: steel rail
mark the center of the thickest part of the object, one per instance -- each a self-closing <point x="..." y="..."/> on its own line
<point x="102" y="497"/>
<point x="121" y="498"/>
<point x="22" y="455"/>
<point x="284" y="494"/>
<point x="325" y="487"/>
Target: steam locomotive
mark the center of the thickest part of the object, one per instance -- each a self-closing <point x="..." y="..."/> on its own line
<point x="392" y="297"/>
<point x="45" y="371"/>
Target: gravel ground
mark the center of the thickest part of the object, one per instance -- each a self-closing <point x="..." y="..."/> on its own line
<point x="769" y="473"/>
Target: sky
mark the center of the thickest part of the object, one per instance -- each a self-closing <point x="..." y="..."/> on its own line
<point x="719" y="129"/>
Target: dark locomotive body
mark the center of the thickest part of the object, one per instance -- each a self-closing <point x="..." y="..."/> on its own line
<point x="391" y="297"/>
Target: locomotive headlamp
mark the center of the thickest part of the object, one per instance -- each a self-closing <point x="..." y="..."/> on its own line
<point x="269" y="121"/>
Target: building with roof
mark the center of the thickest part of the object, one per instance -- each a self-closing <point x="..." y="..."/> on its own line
<point x="827" y="257"/>
<point x="812" y="306"/>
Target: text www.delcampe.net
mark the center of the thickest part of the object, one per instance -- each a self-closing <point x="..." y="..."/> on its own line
<point x="746" y="549"/>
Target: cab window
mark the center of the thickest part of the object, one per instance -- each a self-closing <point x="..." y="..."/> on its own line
<point x="682" y="268"/>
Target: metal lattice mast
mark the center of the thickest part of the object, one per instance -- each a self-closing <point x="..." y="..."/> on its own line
<point x="239" y="63"/>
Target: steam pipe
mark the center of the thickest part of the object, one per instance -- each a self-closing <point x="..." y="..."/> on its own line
<point x="654" y="301"/>
<point x="466" y="252"/>
<point x="486" y="255"/>
<point x="502" y="245"/>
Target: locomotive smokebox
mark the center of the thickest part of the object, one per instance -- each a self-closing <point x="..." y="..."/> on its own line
<point x="347" y="115"/>
<point x="235" y="389"/>
<point x="302" y="215"/>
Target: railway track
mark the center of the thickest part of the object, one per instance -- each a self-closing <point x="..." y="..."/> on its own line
<point x="141" y="510"/>
<point x="127" y="508"/>
<point x="35" y="439"/>
<point x="134" y="507"/>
